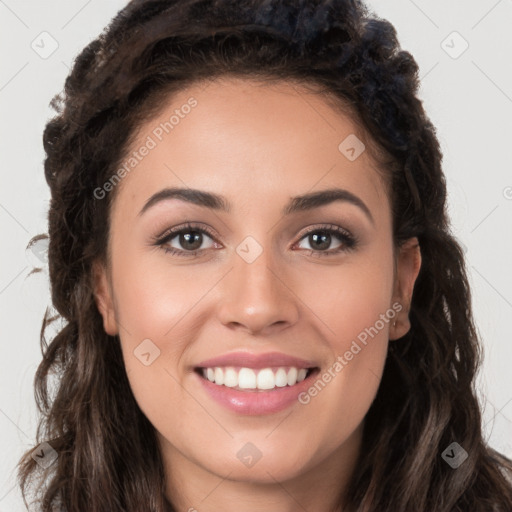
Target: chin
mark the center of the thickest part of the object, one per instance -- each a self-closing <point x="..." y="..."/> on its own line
<point x="246" y="463"/>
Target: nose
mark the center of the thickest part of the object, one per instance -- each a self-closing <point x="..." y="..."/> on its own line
<point x="257" y="298"/>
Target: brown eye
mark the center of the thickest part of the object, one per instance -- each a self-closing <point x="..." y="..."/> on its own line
<point x="321" y="240"/>
<point x="191" y="240"/>
<point x="185" y="241"/>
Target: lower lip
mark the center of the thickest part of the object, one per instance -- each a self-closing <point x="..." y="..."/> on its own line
<point x="256" y="402"/>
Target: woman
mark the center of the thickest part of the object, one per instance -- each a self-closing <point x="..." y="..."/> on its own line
<point x="264" y="306"/>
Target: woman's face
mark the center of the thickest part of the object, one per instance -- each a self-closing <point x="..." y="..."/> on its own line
<point x="261" y="279"/>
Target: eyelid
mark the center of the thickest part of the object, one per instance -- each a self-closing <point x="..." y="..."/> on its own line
<point x="191" y="226"/>
<point x="326" y="227"/>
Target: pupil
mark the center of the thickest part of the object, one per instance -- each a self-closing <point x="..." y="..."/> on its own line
<point x="321" y="241"/>
<point x="192" y="237"/>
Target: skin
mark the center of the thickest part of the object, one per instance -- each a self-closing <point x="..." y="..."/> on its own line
<point x="257" y="145"/>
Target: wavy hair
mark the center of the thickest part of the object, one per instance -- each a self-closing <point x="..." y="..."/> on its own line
<point x="108" y="457"/>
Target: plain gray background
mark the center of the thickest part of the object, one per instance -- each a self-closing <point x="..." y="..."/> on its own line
<point x="467" y="93"/>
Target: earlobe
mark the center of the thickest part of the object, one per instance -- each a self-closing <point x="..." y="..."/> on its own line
<point x="103" y="298"/>
<point x="407" y="269"/>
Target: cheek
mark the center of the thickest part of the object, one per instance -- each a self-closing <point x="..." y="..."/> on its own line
<point x="160" y="310"/>
<point x="354" y="303"/>
<point x="350" y="299"/>
<point x="156" y="299"/>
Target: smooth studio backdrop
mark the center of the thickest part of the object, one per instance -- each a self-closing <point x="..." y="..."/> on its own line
<point x="464" y="50"/>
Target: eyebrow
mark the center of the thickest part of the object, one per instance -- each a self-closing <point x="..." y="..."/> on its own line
<point x="296" y="204"/>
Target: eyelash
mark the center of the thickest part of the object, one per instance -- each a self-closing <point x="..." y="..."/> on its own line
<point x="349" y="242"/>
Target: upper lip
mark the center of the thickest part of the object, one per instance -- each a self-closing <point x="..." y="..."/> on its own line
<point x="248" y="360"/>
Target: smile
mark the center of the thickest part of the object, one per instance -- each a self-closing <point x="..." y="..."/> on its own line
<point x="252" y="379"/>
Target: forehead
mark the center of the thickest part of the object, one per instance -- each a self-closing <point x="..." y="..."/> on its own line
<point x="249" y="139"/>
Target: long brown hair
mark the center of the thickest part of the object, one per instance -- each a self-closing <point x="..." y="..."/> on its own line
<point x="108" y="457"/>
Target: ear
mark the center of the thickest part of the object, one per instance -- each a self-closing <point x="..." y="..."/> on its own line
<point x="408" y="263"/>
<point x="104" y="298"/>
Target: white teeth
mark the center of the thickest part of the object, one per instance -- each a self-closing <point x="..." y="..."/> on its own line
<point x="281" y="378"/>
<point x="266" y="379"/>
<point x="230" y="378"/>
<point x="219" y="376"/>
<point x="292" y="376"/>
<point x="247" y="378"/>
